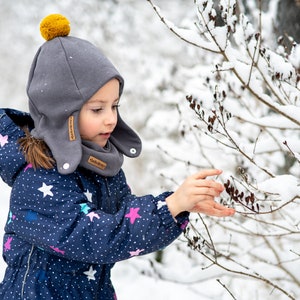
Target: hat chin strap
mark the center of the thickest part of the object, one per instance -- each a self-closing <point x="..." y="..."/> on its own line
<point x="105" y="161"/>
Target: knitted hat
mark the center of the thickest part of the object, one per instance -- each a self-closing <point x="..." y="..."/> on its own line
<point x="65" y="73"/>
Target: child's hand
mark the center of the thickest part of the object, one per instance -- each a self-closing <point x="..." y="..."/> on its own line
<point x="212" y="208"/>
<point x="196" y="194"/>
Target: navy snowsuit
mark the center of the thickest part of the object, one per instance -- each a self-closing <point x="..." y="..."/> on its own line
<point x="65" y="232"/>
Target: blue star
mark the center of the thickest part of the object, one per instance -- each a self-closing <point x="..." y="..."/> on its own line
<point x="31" y="216"/>
<point x="41" y="275"/>
<point x="11" y="217"/>
<point x="84" y="208"/>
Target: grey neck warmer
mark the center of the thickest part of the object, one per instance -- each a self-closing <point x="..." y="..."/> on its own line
<point x="105" y="161"/>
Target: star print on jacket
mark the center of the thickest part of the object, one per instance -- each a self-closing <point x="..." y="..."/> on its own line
<point x="11" y="217"/>
<point x="31" y="216"/>
<point x="42" y="276"/>
<point x="136" y="252"/>
<point x="133" y="214"/>
<point x="29" y="166"/>
<point x="160" y="204"/>
<point x="88" y="195"/>
<point x="57" y="250"/>
<point x="93" y="215"/>
<point x="3" y="140"/>
<point x="84" y="208"/>
<point x="46" y="190"/>
<point x="90" y="273"/>
<point x="184" y="225"/>
<point x="7" y="245"/>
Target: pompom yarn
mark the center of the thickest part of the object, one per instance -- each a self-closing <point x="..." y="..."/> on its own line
<point x="53" y="26"/>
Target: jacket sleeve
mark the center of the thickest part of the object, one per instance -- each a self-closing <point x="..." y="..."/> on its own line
<point x="53" y="213"/>
<point x="11" y="159"/>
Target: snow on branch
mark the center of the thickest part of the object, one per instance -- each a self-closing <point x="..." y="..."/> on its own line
<point x="258" y="69"/>
<point x="244" y="117"/>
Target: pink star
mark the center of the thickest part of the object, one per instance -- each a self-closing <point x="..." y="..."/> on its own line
<point x="3" y="140"/>
<point x="93" y="215"/>
<point x="28" y="167"/>
<point x="7" y="245"/>
<point x="57" y="250"/>
<point x="136" y="252"/>
<point x="184" y="225"/>
<point x="133" y="214"/>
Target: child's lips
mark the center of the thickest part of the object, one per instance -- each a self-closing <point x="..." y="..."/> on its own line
<point x="106" y="135"/>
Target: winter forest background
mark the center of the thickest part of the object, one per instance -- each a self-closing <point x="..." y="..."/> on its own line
<point x="207" y="84"/>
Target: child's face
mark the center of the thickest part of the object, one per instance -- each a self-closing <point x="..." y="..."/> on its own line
<point x="98" y="116"/>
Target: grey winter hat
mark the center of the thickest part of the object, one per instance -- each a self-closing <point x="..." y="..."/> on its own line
<point x="65" y="73"/>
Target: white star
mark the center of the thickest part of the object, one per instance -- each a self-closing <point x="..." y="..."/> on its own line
<point x="88" y="195"/>
<point x="3" y="140"/>
<point x="46" y="190"/>
<point x="160" y="204"/>
<point x="93" y="215"/>
<point x="90" y="273"/>
<point x="136" y="252"/>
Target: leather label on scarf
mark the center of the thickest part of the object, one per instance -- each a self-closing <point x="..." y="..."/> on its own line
<point x="72" y="136"/>
<point x="98" y="163"/>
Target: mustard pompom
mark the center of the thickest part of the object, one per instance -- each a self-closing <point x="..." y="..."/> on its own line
<point x="53" y="26"/>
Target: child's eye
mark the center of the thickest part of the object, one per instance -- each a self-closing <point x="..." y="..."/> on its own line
<point x="116" y="106"/>
<point x="96" y="110"/>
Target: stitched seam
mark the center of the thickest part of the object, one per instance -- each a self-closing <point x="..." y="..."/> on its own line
<point x="70" y="69"/>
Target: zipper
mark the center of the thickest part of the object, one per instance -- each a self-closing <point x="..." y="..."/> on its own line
<point x="27" y="271"/>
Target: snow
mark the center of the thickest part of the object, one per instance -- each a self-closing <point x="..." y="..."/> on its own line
<point x="192" y="37"/>
<point x="287" y="186"/>
<point x="294" y="57"/>
<point x="160" y="69"/>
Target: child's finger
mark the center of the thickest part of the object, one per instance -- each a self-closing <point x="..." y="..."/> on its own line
<point x="213" y="208"/>
<point x="209" y="184"/>
<point x="207" y="172"/>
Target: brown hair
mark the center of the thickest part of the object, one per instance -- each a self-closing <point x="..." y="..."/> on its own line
<point x="36" y="151"/>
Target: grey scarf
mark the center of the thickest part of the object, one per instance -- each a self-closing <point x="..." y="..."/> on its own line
<point x="106" y="161"/>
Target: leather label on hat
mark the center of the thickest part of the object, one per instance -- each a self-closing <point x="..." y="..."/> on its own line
<point x="72" y="136"/>
<point x="98" y="163"/>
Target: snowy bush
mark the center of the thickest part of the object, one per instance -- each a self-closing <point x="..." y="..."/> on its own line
<point x="242" y="115"/>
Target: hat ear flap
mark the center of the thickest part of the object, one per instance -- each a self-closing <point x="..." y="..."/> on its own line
<point x="125" y="139"/>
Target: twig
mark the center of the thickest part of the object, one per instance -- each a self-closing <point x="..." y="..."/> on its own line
<point x="225" y="287"/>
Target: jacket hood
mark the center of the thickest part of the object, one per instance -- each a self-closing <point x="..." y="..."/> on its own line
<point x="12" y="160"/>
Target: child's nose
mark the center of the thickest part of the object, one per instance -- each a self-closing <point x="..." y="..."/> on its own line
<point x="111" y="117"/>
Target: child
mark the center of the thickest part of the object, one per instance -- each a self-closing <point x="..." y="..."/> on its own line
<point x="72" y="215"/>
